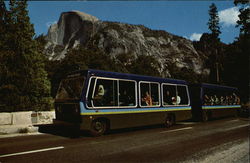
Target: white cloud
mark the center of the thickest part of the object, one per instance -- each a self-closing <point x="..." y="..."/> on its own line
<point x="185" y="37"/>
<point x="195" y="36"/>
<point x="48" y="24"/>
<point x="229" y="16"/>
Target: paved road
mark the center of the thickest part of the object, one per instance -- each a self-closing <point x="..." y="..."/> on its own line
<point x="180" y="143"/>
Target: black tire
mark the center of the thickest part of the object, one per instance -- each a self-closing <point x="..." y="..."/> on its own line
<point x="98" y="127"/>
<point x="170" y="120"/>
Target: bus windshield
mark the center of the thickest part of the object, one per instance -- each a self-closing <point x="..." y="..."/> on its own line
<point x="70" y="89"/>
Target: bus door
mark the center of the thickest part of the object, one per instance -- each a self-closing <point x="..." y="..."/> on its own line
<point x="67" y="101"/>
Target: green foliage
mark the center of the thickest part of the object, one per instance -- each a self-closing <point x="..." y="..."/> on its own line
<point x="236" y="72"/>
<point x="244" y="17"/>
<point x="213" y="46"/>
<point x="41" y="42"/>
<point x="78" y="59"/>
<point x="215" y="55"/>
<point x="213" y="22"/>
<point x="145" y="65"/>
<point x="3" y="13"/>
<point x="24" y="84"/>
<point x="185" y="73"/>
<point x="124" y="62"/>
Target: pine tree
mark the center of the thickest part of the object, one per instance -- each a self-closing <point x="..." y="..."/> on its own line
<point x="238" y="55"/>
<point x="24" y="84"/>
<point x="244" y="16"/>
<point x="216" y="56"/>
<point x="3" y="14"/>
<point x="213" y="22"/>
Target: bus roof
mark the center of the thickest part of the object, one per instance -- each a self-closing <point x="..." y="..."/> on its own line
<point x="216" y="86"/>
<point x="101" y="73"/>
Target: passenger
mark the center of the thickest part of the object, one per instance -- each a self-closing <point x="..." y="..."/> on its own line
<point x="212" y="100"/>
<point x="231" y="100"/>
<point x="100" y="92"/>
<point x="147" y="99"/>
<point x="216" y="100"/>
<point x="227" y="100"/>
<point x="206" y="100"/>
<point x="168" y="99"/>
<point x="126" y="99"/>
<point x="98" y="98"/>
<point x="236" y="99"/>
<point x="176" y="100"/>
<point x="222" y="100"/>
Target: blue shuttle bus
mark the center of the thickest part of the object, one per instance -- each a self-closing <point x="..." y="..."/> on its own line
<point x="96" y="101"/>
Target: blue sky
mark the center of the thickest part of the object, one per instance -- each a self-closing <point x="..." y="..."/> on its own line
<point x="183" y="18"/>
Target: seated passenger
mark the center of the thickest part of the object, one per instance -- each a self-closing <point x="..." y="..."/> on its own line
<point x="216" y="100"/>
<point x="222" y="100"/>
<point x="212" y="100"/>
<point x="168" y="99"/>
<point x="206" y="100"/>
<point x="147" y="99"/>
<point x="126" y="99"/>
<point x="231" y="100"/>
<point x="227" y="100"/>
<point x="98" y="98"/>
<point x="236" y="99"/>
<point x="176" y="100"/>
<point x="100" y="92"/>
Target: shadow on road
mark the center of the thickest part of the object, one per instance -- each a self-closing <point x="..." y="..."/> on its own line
<point x="71" y="132"/>
<point x="142" y="129"/>
<point x="63" y="131"/>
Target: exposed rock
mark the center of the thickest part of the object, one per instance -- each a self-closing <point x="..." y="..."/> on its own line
<point x="74" y="28"/>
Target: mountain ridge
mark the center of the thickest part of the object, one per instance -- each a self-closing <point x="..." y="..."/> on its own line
<point x="76" y="28"/>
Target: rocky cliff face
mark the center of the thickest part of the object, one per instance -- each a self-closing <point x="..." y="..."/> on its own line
<point x="74" y="28"/>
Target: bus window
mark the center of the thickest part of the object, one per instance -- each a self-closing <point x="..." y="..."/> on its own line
<point x="70" y="89"/>
<point x="127" y="96"/>
<point x="105" y="93"/>
<point x="149" y="94"/>
<point x="155" y="94"/>
<point x="182" y="95"/>
<point x="214" y="96"/>
<point x="169" y="94"/>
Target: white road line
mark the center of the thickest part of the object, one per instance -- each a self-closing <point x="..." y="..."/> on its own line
<point x="187" y="123"/>
<point x="236" y="127"/>
<point x="180" y="129"/>
<point x="34" y="151"/>
<point x="234" y="120"/>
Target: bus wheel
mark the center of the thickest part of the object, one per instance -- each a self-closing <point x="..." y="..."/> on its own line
<point x="170" y="120"/>
<point x="98" y="128"/>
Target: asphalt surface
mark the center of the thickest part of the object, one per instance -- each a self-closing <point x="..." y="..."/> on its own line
<point x="183" y="142"/>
